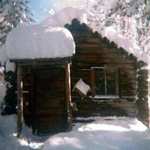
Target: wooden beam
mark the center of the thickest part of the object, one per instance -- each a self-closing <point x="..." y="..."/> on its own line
<point x="20" y="101"/>
<point x="68" y="96"/>
<point x="93" y="82"/>
<point x="42" y="60"/>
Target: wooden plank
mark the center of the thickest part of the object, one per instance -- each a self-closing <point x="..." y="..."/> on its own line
<point x="77" y="34"/>
<point x="93" y="82"/>
<point x="97" y="50"/>
<point x="88" y="100"/>
<point x="87" y="40"/>
<point x="68" y="96"/>
<point x="20" y="101"/>
<point x="113" y="104"/>
<point x="88" y="65"/>
<point x="105" y="55"/>
<point x="41" y="61"/>
<point x="97" y="59"/>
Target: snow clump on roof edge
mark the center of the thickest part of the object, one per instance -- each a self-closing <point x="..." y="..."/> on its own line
<point x="39" y="41"/>
<point x="66" y="15"/>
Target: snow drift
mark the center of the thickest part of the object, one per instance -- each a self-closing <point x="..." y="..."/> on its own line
<point x="105" y="133"/>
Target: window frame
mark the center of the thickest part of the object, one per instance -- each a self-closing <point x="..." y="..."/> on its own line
<point x="106" y="96"/>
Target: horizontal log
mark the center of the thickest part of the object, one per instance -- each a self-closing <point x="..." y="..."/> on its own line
<point x="98" y="59"/>
<point x="87" y="40"/>
<point x="96" y="54"/>
<point x="88" y="100"/>
<point x="77" y="34"/>
<point x="82" y="69"/>
<point x="110" y="109"/>
<point x="104" y="113"/>
<point x="88" y="65"/>
<point x="108" y="104"/>
<point x="97" y="49"/>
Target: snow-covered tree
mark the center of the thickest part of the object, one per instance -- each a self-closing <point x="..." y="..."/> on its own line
<point x="131" y="18"/>
<point x="13" y="13"/>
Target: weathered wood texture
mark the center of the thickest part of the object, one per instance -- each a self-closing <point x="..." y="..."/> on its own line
<point x="142" y="93"/>
<point x="94" y="51"/>
<point x="20" y="101"/>
<point x="68" y="96"/>
<point x="45" y="105"/>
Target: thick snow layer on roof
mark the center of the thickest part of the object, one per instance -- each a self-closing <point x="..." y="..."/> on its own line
<point x="39" y="41"/>
<point x="68" y="14"/>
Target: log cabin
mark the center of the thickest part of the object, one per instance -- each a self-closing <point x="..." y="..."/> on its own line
<point x="117" y="79"/>
<point x="112" y="83"/>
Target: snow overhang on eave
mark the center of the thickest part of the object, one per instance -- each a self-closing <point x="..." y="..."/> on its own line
<point x="40" y="43"/>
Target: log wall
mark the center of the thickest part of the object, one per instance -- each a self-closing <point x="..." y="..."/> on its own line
<point x="142" y="94"/>
<point x="94" y="51"/>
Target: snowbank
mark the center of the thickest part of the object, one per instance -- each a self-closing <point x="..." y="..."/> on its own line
<point x="8" y="139"/>
<point x="108" y="133"/>
<point x="39" y="41"/>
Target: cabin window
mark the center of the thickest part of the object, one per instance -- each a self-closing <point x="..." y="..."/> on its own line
<point x="104" y="82"/>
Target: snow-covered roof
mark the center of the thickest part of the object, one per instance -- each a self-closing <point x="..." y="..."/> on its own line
<point x="66" y="15"/>
<point x="39" y="41"/>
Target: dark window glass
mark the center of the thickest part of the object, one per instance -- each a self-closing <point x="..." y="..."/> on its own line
<point x="105" y="81"/>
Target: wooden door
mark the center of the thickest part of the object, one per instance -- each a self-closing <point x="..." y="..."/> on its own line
<point x="50" y="97"/>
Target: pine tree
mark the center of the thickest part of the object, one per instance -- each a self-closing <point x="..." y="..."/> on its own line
<point x="12" y="14"/>
<point x="131" y="18"/>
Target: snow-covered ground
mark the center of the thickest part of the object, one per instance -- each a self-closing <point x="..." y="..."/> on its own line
<point x="102" y="133"/>
<point x="8" y="136"/>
